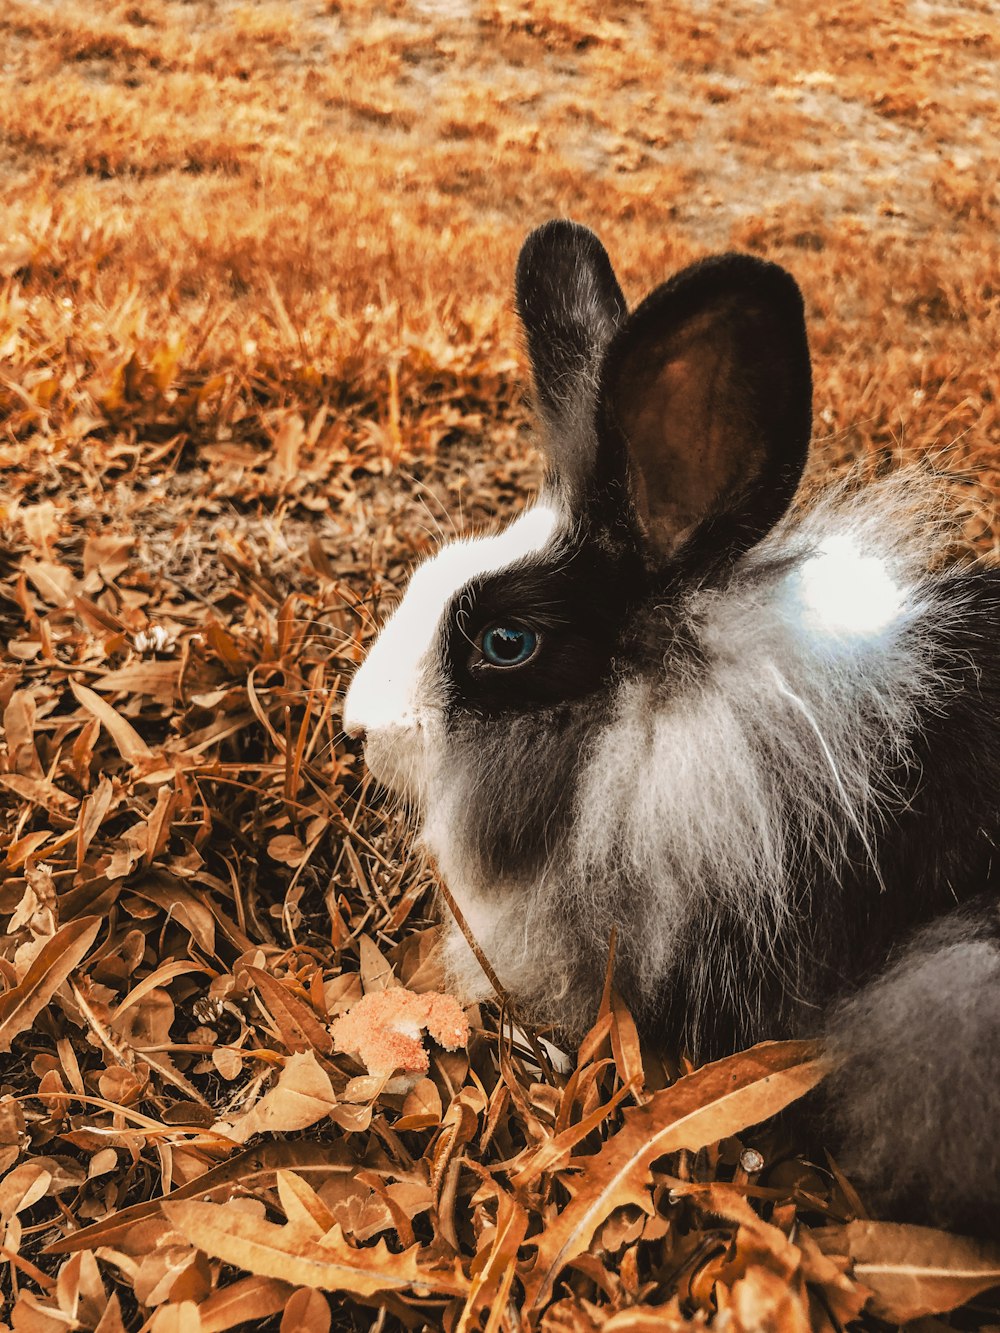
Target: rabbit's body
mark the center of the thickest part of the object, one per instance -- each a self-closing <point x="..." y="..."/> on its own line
<point x="763" y="750"/>
<point x="778" y="794"/>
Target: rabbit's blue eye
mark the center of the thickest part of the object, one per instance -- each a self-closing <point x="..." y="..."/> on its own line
<point x="509" y="645"/>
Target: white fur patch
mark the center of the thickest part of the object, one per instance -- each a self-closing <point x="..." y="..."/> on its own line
<point x="847" y="593"/>
<point x="397" y="693"/>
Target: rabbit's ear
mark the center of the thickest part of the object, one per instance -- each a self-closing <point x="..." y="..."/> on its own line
<point x="570" y="305"/>
<point x="707" y="391"/>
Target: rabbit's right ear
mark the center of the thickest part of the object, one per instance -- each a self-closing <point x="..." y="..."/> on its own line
<point x="706" y="392"/>
<point x="570" y="305"/>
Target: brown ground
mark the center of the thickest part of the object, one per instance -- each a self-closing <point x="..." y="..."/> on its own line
<point x="256" y="346"/>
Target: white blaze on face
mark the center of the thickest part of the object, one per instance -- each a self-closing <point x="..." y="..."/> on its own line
<point x="398" y="691"/>
<point x="846" y="593"/>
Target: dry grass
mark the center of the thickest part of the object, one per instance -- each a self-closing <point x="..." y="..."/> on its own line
<point x="255" y="346"/>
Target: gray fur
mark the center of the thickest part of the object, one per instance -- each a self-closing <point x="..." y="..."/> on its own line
<point x="915" y="1099"/>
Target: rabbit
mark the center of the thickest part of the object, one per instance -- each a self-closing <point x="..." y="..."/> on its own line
<point x="762" y="746"/>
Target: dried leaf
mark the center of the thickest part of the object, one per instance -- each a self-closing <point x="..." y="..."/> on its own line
<point x="39" y="791"/>
<point x="23" y="1187"/>
<point x="764" y="1300"/>
<point x="179" y="1318"/>
<point x="302" y="1205"/>
<point x="422" y="1106"/>
<point x="300" y="1028"/>
<point x="302" y="1096"/>
<point x="913" y="1271"/>
<point x="179" y="903"/>
<point x="493" y="1274"/>
<point x="287" y="848"/>
<point x="33" y="1315"/>
<point x="307" y="1311"/>
<point x="708" y="1105"/>
<point x="58" y="958"/>
<point x="130" y="744"/>
<point x="54" y="582"/>
<point x="287" y="444"/>
<point x="101" y="1163"/>
<point x="106" y="554"/>
<point x="251" y="1168"/>
<point x="19" y="728"/>
<point x="376" y="971"/>
<point x="157" y="978"/>
<point x="154" y="679"/>
<point x="295" y="1255"/>
<point x="246" y="1302"/>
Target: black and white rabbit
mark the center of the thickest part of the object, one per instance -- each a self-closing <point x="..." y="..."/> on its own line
<point x="765" y="748"/>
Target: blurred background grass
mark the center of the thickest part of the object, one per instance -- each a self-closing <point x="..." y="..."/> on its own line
<point x="214" y="210"/>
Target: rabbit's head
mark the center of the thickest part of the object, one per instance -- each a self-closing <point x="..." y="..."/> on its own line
<point x="675" y="438"/>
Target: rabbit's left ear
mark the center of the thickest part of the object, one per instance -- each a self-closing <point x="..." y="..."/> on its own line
<point x="570" y="306"/>
<point x="707" y="392"/>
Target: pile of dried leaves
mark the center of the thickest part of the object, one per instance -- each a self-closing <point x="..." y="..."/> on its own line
<point x="198" y="884"/>
<point x="255" y="351"/>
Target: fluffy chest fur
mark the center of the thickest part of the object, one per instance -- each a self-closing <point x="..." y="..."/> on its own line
<point x="728" y="816"/>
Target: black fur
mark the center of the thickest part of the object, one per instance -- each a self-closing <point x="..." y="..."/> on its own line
<point x="521" y="729"/>
<point x="720" y="352"/>
<point x="570" y="304"/>
<point x="578" y="599"/>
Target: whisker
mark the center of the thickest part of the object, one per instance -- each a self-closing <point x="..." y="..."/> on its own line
<point x="446" y="512"/>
